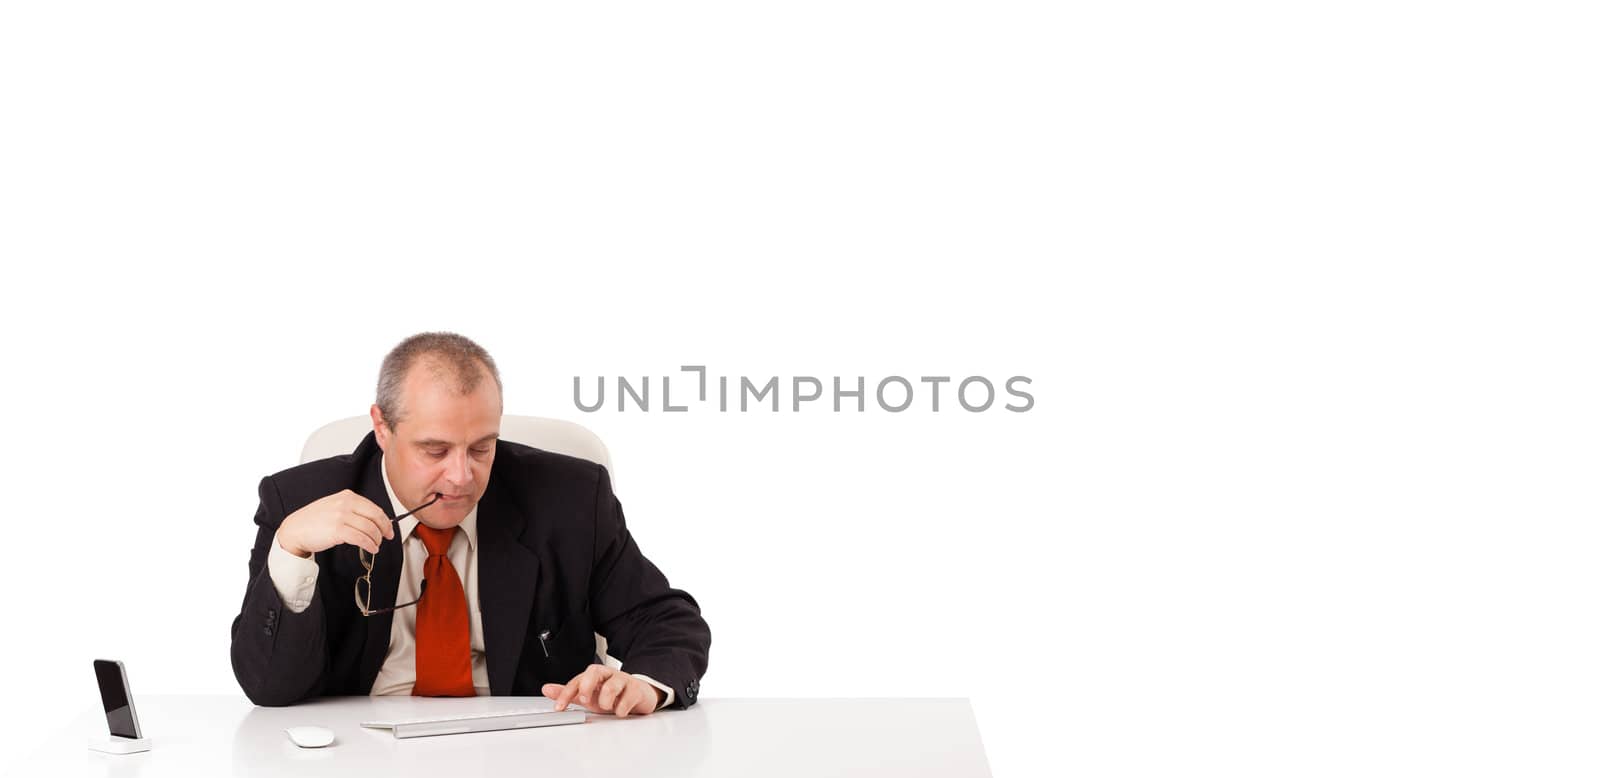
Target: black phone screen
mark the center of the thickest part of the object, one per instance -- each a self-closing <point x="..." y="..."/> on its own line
<point x="114" y="694"/>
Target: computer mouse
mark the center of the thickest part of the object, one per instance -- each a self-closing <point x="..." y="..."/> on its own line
<point x="309" y="737"/>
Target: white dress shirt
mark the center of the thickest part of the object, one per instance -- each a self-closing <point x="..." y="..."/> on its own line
<point x="295" y="578"/>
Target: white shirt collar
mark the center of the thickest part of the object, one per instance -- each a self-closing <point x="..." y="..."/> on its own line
<point x="469" y="525"/>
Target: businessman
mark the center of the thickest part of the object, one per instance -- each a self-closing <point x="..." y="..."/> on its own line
<point x="503" y="565"/>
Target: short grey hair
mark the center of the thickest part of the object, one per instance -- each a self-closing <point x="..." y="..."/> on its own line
<point x="450" y="356"/>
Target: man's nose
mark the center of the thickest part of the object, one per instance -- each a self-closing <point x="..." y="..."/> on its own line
<point x="458" y="471"/>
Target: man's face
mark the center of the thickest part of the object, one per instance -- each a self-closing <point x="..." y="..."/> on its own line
<point x="444" y="443"/>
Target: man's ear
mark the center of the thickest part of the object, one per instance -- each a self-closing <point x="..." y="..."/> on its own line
<point x="379" y="429"/>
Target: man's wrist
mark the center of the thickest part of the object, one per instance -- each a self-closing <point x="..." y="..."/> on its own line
<point x="291" y="548"/>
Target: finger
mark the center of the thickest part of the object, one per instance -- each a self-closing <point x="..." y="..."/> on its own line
<point x="629" y="700"/>
<point x="356" y="503"/>
<point x="611" y="691"/>
<point x="380" y="524"/>
<point x="364" y="527"/>
<point x="370" y="511"/>
<point x="589" y="685"/>
<point x="348" y="534"/>
<point x="607" y="694"/>
<point x="575" y="687"/>
<point x="384" y="526"/>
<point x="551" y="690"/>
<point x="567" y="693"/>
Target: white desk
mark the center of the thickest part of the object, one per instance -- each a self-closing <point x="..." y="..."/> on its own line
<point x="223" y="735"/>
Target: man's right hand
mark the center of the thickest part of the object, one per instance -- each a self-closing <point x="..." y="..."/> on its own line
<point x="343" y="517"/>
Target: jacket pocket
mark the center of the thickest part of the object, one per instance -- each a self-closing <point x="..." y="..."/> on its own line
<point x="566" y="649"/>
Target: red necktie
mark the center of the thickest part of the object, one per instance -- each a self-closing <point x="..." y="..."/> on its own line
<point x="444" y="648"/>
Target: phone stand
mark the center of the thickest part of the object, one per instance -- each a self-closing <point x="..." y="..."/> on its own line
<point x="111" y="744"/>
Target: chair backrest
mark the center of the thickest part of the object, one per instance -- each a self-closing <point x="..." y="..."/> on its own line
<point x="562" y="437"/>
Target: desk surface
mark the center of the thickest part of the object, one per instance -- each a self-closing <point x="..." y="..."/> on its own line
<point x="221" y="735"/>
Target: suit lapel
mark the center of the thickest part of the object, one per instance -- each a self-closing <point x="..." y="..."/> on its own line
<point x="508" y="573"/>
<point x="385" y="569"/>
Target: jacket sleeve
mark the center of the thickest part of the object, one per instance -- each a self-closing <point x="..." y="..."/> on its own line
<point x="279" y="657"/>
<point x="654" y="629"/>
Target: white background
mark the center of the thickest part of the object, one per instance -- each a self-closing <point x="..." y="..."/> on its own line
<point x="1305" y="290"/>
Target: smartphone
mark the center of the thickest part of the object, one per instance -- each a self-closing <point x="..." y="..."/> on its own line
<point x="113" y="680"/>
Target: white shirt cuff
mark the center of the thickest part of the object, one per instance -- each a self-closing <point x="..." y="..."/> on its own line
<point x="294" y="578"/>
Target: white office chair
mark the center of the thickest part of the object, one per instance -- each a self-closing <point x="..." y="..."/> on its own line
<point x="562" y="437"/>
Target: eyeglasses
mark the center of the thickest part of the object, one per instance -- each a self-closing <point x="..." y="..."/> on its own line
<point x="364" y="583"/>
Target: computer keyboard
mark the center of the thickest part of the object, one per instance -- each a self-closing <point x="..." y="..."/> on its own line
<point x="472" y="716"/>
<point x="480" y="721"/>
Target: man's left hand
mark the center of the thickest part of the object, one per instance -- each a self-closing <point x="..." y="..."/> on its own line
<point x="606" y="690"/>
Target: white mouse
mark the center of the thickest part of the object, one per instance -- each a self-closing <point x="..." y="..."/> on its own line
<point x="309" y="737"/>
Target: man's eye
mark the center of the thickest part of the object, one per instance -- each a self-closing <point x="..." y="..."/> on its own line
<point x="435" y="454"/>
<point x="480" y="451"/>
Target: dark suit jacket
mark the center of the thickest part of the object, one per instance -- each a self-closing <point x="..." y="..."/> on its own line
<point x="553" y="555"/>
